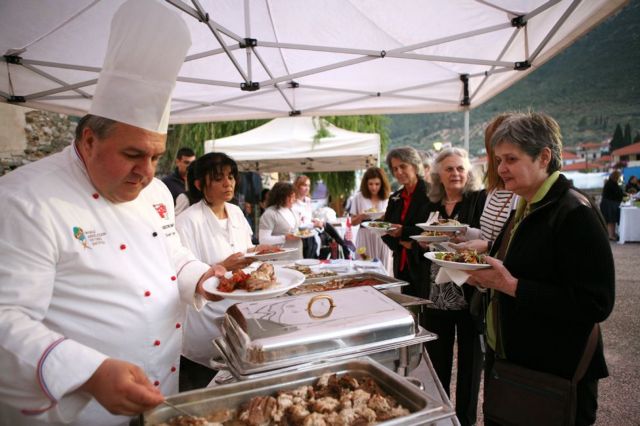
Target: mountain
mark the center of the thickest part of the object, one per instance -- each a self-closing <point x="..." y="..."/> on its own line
<point x="588" y="88"/>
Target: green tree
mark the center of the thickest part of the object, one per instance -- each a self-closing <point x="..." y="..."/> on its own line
<point x="618" y="139"/>
<point x="636" y="138"/>
<point x="193" y="136"/>
<point x="627" y="134"/>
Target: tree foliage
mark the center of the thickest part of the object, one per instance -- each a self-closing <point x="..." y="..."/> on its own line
<point x="618" y="139"/>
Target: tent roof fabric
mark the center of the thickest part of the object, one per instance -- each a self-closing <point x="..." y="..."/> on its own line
<point x="275" y="58"/>
<point x="287" y="144"/>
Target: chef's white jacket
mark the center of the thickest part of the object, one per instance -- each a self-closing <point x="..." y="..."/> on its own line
<point x="202" y="232"/>
<point x="83" y="279"/>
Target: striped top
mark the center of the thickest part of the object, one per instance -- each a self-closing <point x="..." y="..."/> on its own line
<point x="496" y="211"/>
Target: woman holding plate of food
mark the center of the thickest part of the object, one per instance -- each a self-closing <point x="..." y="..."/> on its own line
<point x="279" y="224"/>
<point x="216" y="231"/>
<point x="554" y="279"/>
<point x="370" y="203"/>
<point x="407" y="207"/>
<point x="456" y="196"/>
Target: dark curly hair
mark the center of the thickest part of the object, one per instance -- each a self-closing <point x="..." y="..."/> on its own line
<point x="278" y="195"/>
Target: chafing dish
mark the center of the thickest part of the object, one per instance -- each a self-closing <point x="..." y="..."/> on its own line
<point x="423" y="408"/>
<point x="415" y="305"/>
<point x="311" y="285"/>
<point x="262" y="337"/>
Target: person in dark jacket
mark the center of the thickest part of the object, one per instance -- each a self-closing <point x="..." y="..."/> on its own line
<point x="176" y="181"/>
<point x="406" y="207"/>
<point x="455" y="194"/>
<point x="556" y="279"/>
<point x="612" y="195"/>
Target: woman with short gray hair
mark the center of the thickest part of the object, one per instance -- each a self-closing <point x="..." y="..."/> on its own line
<point x="455" y="194"/>
<point x="552" y="276"/>
<point x="407" y="206"/>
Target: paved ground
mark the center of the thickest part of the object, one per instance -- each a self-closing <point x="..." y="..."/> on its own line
<point x="619" y="394"/>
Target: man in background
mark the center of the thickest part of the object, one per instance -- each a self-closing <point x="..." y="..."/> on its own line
<point x="177" y="181"/>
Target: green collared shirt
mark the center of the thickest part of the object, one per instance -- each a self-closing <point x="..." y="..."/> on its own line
<point x="522" y="210"/>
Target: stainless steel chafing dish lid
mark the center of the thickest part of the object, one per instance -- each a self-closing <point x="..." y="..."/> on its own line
<point x="290" y="328"/>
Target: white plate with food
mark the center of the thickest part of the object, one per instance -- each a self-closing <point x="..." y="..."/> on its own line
<point x="378" y="227"/>
<point x="270" y="254"/>
<point x="265" y="282"/>
<point x="443" y="225"/>
<point x="462" y="261"/>
<point x="429" y="238"/>
<point x="305" y="233"/>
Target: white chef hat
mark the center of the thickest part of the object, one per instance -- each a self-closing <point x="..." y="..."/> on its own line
<point x="147" y="46"/>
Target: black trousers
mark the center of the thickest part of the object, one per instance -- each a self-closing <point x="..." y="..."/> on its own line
<point x="586" y="396"/>
<point x="194" y="375"/>
<point x="446" y="324"/>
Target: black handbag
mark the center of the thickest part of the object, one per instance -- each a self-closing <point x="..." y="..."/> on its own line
<point x="515" y="395"/>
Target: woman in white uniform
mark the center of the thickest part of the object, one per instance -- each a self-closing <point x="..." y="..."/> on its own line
<point x="216" y="231"/>
<point x="279" y="223"/>
<point x="373" y="197"/>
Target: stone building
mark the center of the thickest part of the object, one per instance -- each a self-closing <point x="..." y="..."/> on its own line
<point x="28" y="135"/>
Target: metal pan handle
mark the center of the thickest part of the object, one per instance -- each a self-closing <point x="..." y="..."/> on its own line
<point x="314" y="299"/>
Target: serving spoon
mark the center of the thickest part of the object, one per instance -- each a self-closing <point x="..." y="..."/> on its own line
<point x="178" y="409"/>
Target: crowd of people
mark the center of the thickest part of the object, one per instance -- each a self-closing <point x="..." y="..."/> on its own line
<point x="103" y="309"/>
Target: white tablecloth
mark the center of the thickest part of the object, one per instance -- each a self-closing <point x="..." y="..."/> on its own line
<point x="629" y="228"/>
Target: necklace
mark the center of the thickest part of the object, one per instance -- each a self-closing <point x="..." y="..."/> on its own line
<point x="452" y="202"/>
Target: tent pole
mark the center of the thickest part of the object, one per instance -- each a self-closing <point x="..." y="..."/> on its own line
<point x="466" y="129"/>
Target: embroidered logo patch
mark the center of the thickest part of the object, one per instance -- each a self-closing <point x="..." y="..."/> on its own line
<point x="79" y="235"/>
<point x="161" y="209"/>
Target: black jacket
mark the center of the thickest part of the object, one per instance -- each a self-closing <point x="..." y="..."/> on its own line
<point x="561" y="256"/>
<point x="417" y="267"/>
<point x="175" y="184"/>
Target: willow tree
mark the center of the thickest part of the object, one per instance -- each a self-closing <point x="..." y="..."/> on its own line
<point x="340" y="184"/>
<point x="193" y="136"/>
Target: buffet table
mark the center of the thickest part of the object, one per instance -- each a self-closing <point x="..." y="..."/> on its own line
<point x="629" y="228"/>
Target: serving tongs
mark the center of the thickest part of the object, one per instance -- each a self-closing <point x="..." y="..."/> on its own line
<point x="178" y="409"/>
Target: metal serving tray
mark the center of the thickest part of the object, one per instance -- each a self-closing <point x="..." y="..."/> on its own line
<point x="424" y="409"/>
<point x="278" y="333"/>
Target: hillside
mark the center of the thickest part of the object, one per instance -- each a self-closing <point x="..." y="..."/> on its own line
<point x="588" y="88"/>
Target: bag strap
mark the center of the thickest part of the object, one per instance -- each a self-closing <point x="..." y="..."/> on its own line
<point x="587" y="355"/>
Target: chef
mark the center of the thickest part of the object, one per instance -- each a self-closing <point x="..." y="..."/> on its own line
<point x="94" y="281"/>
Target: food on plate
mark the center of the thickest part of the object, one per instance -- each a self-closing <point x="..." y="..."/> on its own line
<point x="446" y="222"/>
<point x="304" y="232"/>
<point x="310" y="273"/>
<point x="371" y="210"/>
<point x="261" y="279"/>
<point x="268" y="250"/>
<point x="434" y="234"/>
<point x="335" y="284"/>
<point x="463" y="256"/>
<point x="332" y="400"/>
<point x="380" y="225"/>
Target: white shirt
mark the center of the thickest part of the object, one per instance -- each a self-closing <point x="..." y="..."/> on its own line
<point x="275" y="223"/>
<point x="212" y="240"/>
<point x="83" y="279"/>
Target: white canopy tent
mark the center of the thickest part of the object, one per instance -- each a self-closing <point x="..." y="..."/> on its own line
<point x="273" y="58"/>
<point x="287" y="144"/>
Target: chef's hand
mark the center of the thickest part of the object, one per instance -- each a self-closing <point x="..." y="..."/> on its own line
<point x="214" y="271"/>
<point x="480" y="246"/>
<point x="396" y="231"/>
<point x="122" y="388"/>
<point x="237" y="261"/>
<point x="497" y="277"/>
